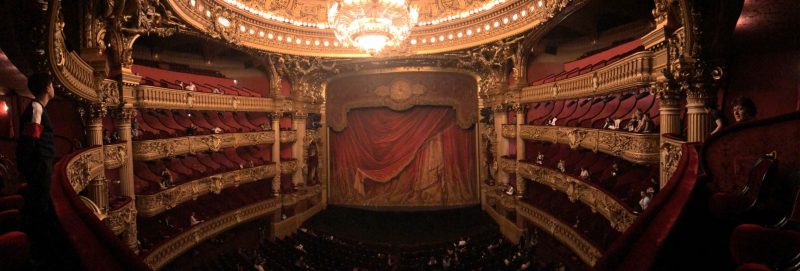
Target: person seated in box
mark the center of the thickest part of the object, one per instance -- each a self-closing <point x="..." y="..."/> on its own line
<point x="166" y="178"/>
<point x="561" y="167"/>
<point x="191" y="87"/>
<point x="540" y="158"/>
<point x="646" y="124"/>
<point x="585" y="174"/>
<point x="744" y="109"/>
<point x="636" y="116"/>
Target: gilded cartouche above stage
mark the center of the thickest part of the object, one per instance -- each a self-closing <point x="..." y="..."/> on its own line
<point x="301" y="27"/>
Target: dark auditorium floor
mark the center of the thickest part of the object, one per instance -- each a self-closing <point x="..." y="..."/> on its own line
<point x="399" y="228"/>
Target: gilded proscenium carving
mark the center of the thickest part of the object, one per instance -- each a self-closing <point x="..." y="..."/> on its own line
<point x="632" y="71"/>
<point x="670" y="156"/>
<point x="163" y="98"/>
<point x="150" y="205"/>
<point x="510" y="131"/>
<point x="634" y="147"/>
<point x="564" y="233"/>
<point x="118" y="220"/>
<point x="115" y="155"/>
<point x="163" y="254"/>
<point x="85" y="167"/>
<point x="618" y="214"/>
<point x="160" y="148"/>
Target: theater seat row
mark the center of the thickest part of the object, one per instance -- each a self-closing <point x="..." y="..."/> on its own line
<point x="147" y="174"/>
<point x="591" y="112"/>
<point x="156" y="124"/>
<point x="585" y="69"/>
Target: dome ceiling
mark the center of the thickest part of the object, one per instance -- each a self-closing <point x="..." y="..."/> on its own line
<point x="300" y="27"/>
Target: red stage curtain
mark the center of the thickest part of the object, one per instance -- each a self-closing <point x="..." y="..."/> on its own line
<point x="417" y="157"/>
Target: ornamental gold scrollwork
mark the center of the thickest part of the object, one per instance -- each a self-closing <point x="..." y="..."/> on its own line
<point x="670" y="156"/>
<point x="120" y="219"/>
<point x="216" y="184"/>
<point x="115" y="155"/>
<point x="82" y="168"/>
<point x="576" y="137"/>
<point x="213" y="142"/>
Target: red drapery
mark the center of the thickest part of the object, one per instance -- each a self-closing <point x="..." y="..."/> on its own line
<point x="418" y="157"/>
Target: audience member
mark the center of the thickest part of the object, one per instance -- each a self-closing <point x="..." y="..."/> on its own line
<point x="166" y="178"/>
<point x="614" y="169"/>
<point x="216" y="91"/>
<point x="585" y="174"/>
<point x="561" y="167"/>
<point x="193" y="219"/>
<point x="191" y="87"/>
<point x="646" y="124"/>
<point x="716" y="117"/>
<point x="191" y="130"/>
<point x="540" y="158"/>
<point x="744" y="109"/>
<point x="633" y="123"/>
<point x="216" y="130"/>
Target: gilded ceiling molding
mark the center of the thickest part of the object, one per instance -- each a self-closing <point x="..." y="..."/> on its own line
<point x="151" y="205"/>
<point x="70" y="71"/>
<point x="619" y="215"/>
<point x="585" y="250"/>
<point x="630" y="72"/>
<point x="161" y="148"/>
<point x="634" y="147"/>
<point x="166" y="252"/>
<point x="232" y="23"/>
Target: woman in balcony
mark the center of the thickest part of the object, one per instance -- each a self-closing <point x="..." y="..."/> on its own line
<point x="744" y="109"/>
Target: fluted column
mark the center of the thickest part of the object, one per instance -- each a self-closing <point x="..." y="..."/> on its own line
<point x="501" y="118"/>
<point x="698" y="118"/>
<point x="93" y="116"/>
<point x="669" y="102"/>
<point x="276" y="152"/>
<point x="124" y="116"/>
<point x="520" y="110"/>
<point x="97" y="190"/>
<point x="299" y="124"/>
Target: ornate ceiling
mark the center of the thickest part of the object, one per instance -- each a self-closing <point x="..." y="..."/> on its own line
<point x="300" y="27"/>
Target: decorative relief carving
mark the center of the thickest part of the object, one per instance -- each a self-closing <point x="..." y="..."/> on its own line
<point x="288" y="167"/>
<point x="163" y="98"/>
<point x="634" y="147"/>
<point x="115" y="155"/>
<point x="400" y="90"/>
<point x="120" y="219"/>
<point x="150" y="205"/>
<point x="509" y="130"/>
<point x="84" y="167"/>
<point x="160" y="148"/>
<point x="618" y="214"/>
<point x="670" y="156"/>
<point x="288" y="136"/>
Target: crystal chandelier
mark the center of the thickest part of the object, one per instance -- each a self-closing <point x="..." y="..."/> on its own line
<point x="372" y="24"/>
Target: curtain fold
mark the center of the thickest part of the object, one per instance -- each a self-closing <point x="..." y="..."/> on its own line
<point x="415" y="157"/>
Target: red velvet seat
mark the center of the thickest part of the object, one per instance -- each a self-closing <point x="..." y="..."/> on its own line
<point x="167" y="120"/>
<point x="10" y="220"/>
<point x="194" y="164"/>
<point x="11" y="202"/>
<point x="244" y="122"/>
<point x="230" y="154"/>
<point x="206" y="160"/>
<point x="198" y="119"/>
<point x="231" y="120"/>
<point x="213" y="119"/>
<point x="729" y="205"/>
<point x="613" y="105"/>
<point x="224" y="161"/>
<point x="152" y="121"/>
<point x="258" y="119"/>
<point x="598" y="104"/>
<point x="778" y="249"/>
<point x="14" y="251"/>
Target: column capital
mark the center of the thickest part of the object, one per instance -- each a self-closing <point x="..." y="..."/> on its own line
<point x="124" y="113"/>
<point x="299" y="115"/>
<point x="275" y="115"/>
<point x="93" y="112"/>
<point x="519" y="108"/>
<point x="668" y="93"/>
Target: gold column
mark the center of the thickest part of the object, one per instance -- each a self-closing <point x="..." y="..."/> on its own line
<point x="669" y="98"/>
<point x="698" y="118"/>
<point x="98" y="193"/>
<point x="520" y="109"/>
<point x="501" y="118"/>
<point x="276" y="152"/>
<point x="124" y="116"/>
<point x="93" y="115"/>
<point x="299" y="123"/>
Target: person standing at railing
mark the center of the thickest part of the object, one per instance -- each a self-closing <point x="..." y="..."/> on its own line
<point x="35" y="154"/>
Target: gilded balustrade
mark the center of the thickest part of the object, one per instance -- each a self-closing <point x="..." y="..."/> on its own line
<point x="163" y="98"/>
<point x="174" y="247"/>
<point x="150" y="205"/>
<point x="564" y="233"/>
<point x="85" y="167"/>
<point x="160" y="148"/>
<point x="618" y="214"/>
<point x="115" y="155"/>
<point x="632" y="71"/>
<point x="634" y="147"/>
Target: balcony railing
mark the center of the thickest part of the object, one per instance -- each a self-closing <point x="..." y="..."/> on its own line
<point x="163" y="98"/>
<point x="634" y="147"/>
<point x="115" y="155"/>
<point x="160" y="148"/>
<point x="564" y="233"/>
<point x="150" y="205"/>
<point x="632" y="71"/>
<point x="618" y="214"/>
